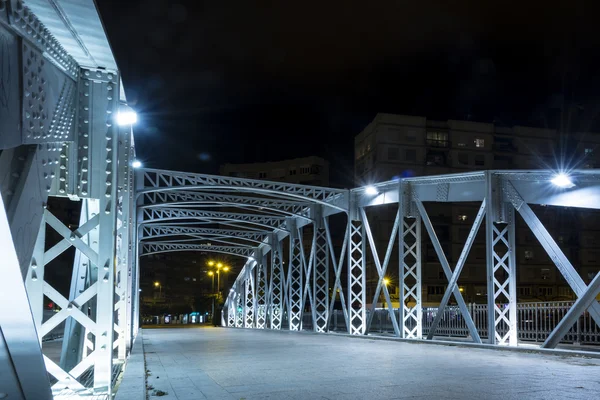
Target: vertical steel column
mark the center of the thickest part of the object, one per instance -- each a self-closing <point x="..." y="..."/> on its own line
<point x="239" y="310"/>
<point x="411" y="306"/>
<point x="356" y="277"/>
<point x="409" y="236"/>
<point x="321" y="280"/>
<point x="295" y="272"/>
<point x="231" y="309"/>
<point x="261" y="292"/>
<point x="501" y="267"/>
<point x="249" y="297"/>
<point x="276" y="285"/>
<point x="100" y="93"/>
<point x="123" y="247"/>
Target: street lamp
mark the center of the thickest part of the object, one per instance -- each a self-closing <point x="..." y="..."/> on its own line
<point x="158" y="285"/>
<point x="371" y="190"/>
<point x="562" y="180"/>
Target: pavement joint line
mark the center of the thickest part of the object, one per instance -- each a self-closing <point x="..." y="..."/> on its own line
<point x="448" y="343"/>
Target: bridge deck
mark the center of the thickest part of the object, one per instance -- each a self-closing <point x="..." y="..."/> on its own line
<point x="217" y="363"/>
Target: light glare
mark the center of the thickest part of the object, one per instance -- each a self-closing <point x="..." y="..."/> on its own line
<point x="371" y="190"/>
<point x="126" y="117"/>
<point x="562" y="181"/>
<point x="136" y="164"/>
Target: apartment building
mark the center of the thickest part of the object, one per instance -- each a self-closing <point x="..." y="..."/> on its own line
<point x="394" y="146"/>
<point x="307" y="171"/>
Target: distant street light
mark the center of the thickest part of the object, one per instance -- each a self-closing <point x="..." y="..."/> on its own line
<point x="159" y="286"/>
<point x="386" y="281"/>
<point x="136" y="164"/>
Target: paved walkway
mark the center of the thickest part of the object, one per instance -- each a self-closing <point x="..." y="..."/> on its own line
<point x="220" y="363"/>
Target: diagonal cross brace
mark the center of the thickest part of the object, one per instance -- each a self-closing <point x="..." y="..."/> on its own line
<point x="583" y="302"/>
<point x="68" y="234"/>
<point x="556" y="255"/>
<point x="338" y="272"/>
<point x="454" y="279"/>
<point x="64" y="244"/>
<point x="446" y="267"/>
<point x="381" y="269"/>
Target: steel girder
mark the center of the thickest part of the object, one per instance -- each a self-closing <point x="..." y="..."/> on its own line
<point x="152" y="215"/>
<point x="153" y="231"/>
<point x="161" y="180"/>
<point x="165" y="247"/>
<point x="189" y="198"/>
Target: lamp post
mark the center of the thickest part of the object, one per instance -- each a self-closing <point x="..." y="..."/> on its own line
<point x="159" y="286"/>
<point x="218" y="267"/>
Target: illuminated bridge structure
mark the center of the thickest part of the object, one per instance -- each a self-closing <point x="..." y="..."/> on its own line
<point x="60" y="99"/>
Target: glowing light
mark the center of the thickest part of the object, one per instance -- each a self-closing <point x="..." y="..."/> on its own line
<point x="386" y="281"/>
<point x="562" y="180"/>
<point x="128" y="117"/>
<point x="225" y="269"/>
<point x="156" y="284"/>
<point x="136" y="164"/>
<point x="461" y="289"/>
<point x="210" y="273"/>
<point x="211" y="263"/>
<point x="219" y="265"/>
<point x="371" y="190"/>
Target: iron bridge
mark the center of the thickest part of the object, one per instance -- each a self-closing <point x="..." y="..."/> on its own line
<point x="61" y="94"/>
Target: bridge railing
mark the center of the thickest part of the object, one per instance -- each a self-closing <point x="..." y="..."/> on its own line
<point x="535" y="322"/>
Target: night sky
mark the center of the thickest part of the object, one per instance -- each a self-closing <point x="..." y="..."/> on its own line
<point x="250" y="81"/>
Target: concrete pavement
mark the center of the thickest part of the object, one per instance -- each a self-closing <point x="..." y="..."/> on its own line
<point x="220" y="363"/>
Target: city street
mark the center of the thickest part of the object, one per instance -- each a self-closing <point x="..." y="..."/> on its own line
<point x="221" y="363"/>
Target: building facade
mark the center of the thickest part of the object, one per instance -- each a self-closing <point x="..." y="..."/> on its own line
<point x="396" y="146"/>
<point x="307" y="171"/>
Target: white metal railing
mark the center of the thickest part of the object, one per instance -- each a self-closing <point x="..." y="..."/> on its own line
<point x="535" y="322"/>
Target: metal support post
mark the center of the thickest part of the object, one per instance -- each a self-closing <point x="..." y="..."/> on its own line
<point x="295" y="272"/>
<point x="501" y="266"/>
<point x="261" y="292"/>
<point x="409" y="248"/>
<point x="276" y="285"/>
<point x="321" y="281"/>
<point x="356" y="278"/>
<point x="249" y="298"/>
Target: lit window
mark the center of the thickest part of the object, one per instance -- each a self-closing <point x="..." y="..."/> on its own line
<point x="479" y="143"/>
<point x="462" y="217"/>
<point x="528" y="254"/>
<point x="588" y="151"/>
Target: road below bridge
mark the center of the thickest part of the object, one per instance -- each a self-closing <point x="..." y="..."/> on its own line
<point x="220" y="363"/>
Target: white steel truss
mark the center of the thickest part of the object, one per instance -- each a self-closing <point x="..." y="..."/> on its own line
<point x="58" y="139"/>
